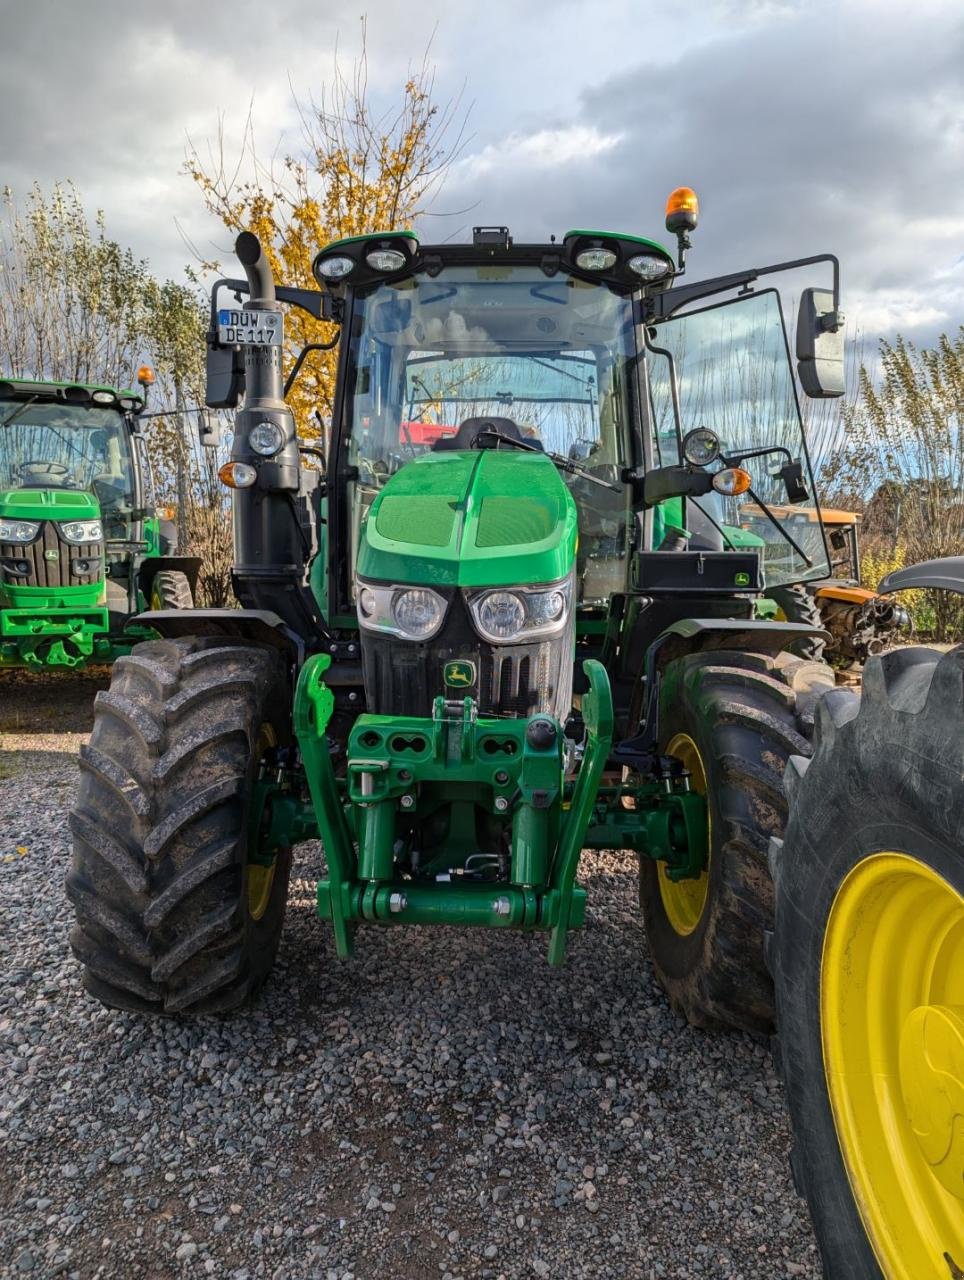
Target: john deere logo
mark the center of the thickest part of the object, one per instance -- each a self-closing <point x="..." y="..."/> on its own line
<point x="459" y="675"/>
<point x="53" y="554"/>
<point x="742" y="579"/>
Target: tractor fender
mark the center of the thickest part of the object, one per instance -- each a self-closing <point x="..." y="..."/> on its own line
<point x="947" y="574"/>
<point x="148" y="569"/>
<point x="758" y="635"/>
<point x="259" y="626"/>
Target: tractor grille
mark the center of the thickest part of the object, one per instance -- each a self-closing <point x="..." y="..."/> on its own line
<point x="50" y="561"/>
<point x="404" y="678"/>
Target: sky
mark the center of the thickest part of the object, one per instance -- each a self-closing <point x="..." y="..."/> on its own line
<point x="805" y="127"/>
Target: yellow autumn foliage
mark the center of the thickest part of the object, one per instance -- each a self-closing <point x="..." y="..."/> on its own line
<point x="358" y="173"/>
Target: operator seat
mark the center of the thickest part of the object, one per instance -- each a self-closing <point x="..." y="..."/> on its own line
<point x="471" y="428"/>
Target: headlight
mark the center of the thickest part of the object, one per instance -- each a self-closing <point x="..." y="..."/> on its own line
<point x="503" y="615"/>
<point x="413" y="613"/>
<point x="648" y="266"/>
<point x="18" y="530"/>
<point x="386" y="259"/>
<point x="266" y="438"/>
<point x="595" y="259"/>
<point x="701" y="446"/>
<point x="334" y="268"/>
<point x="82" y="531"/>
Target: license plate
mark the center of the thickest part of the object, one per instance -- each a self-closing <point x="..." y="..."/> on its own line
<point x="250" y="328"/>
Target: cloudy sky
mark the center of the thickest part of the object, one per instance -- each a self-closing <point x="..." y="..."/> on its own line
<point x="805" y="126"/>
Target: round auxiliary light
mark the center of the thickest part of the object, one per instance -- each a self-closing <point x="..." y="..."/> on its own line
<point x="417" y="612"/>
<point x="701" y="446"/>
<point x="102" y="397"/>
<point x="367" y="601"/>
<point x="732" y="481"/>
<point x="237" y="475"/>
<point x="386" y="259"/>
<point x="334" y="268"/>
<point x="266" y="438"/>
<point x="595" y="259"/>
<point x="648" y="266"/>
<point x="502" y="615"/>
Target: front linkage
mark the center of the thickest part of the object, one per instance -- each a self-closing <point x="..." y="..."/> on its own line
<point x="506" y="786"/>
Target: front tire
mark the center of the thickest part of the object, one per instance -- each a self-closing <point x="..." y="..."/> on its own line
<point x="171" y="589"/>
<point x="733" y="718"/>
<point x="172" y="914"/>
<point x="868" y="962"/>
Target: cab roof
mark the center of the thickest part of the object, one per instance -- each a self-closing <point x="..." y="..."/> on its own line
<point x="79" y="393"/>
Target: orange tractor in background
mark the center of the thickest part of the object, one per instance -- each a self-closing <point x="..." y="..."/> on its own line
<point x="860" y="621"/>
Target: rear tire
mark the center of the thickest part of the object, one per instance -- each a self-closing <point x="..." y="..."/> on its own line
<point x="171" y="916"/>
<point x="798" y="605"/>
<point x="743" y="715"/>
<point x="878" y="814"/>
<point x="171" y="589"/>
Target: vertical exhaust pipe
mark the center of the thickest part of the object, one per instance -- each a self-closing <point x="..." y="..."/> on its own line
<point x="270" y="545"/>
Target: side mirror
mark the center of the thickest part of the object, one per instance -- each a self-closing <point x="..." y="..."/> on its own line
<point x="209" y="429"/>
<point x="224" y="377"/>
<point x="820" y="345"/>
<point x="791" y="473"/>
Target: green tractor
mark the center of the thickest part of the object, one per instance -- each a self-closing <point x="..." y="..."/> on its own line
<point x="82" y="549"/>
<point x="466" y="653"/>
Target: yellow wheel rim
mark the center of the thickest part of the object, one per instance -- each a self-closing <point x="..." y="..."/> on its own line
<point x="892" y="1025"/>
<point x="261" y="878"/>
<point x="685" y="900"/>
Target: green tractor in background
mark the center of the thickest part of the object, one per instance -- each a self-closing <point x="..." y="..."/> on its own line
<point x="83" y="551"/>
<point x="505" y="615"/>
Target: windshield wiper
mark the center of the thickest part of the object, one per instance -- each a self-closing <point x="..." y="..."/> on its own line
<point x="18" y="411"/>
<point x="564" y="464"/>
<point x="780" y="529"/>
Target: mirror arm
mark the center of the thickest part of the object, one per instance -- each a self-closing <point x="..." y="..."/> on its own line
<point x="661" y="306"/>
<point x="306" y="351"/>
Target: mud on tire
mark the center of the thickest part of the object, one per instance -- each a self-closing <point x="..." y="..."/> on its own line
<point x="746" y="713"/>
<point x="159" y="880"/>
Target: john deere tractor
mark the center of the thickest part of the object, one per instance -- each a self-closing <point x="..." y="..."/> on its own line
<point x="82" y="550"/>
<point x="464" y="655"/>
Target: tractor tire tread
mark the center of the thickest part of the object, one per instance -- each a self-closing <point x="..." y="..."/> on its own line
<point x="158" y="881"/>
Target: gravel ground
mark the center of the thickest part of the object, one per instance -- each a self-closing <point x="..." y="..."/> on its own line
<point x="443" y="1105"/>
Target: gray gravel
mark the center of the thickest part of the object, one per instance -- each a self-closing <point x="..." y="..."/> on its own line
<point x="443" y="1105"/>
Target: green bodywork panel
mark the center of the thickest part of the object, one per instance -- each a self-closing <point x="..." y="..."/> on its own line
<point x="471" y="519"/>
<point x="48" y="504"/>
<point x="371" y="235"/>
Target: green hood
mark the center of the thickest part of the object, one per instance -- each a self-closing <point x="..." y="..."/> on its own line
<point x="475" y="519"/>
<point x="48" y="504"/>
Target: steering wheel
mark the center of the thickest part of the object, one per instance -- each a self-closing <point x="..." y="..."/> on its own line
<point x="470" y="429"/>
<point x="44" y="464"/>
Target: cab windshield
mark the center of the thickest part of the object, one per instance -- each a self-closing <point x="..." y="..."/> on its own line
<point x="550" y="355"/>
<point x="733" y="375"/>
<point x="64" y="446"/>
